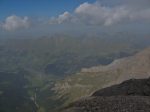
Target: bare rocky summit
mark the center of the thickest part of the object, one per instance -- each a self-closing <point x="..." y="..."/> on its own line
<point x="130" y="96"/>
<point x="133" y="87"/>
<point x="112" y="104"/>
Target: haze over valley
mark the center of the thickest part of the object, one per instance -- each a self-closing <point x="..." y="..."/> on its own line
<point x="55" y="54"/>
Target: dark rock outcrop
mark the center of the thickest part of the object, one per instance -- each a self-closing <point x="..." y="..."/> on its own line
<point x="134" y="87"/>
<point x="130" y="96"/>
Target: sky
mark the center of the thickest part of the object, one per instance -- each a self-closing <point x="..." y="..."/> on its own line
<point x="37" y="7"/>
<point x="42" y="17"/>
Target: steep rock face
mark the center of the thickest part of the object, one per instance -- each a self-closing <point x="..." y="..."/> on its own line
<point x="129" y="96"/>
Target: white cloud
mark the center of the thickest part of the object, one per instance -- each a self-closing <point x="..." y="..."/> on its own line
<point x="97" y="14"/>
<point x="65" y="17"/>
<point x="14" y="22"/>
<point x="137" y="4"/>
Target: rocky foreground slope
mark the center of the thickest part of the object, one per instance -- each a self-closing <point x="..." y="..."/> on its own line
<point x="129" y="96"/>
